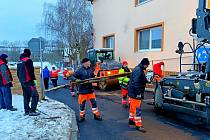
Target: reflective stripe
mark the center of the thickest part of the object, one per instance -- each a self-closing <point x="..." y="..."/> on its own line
<point x="94" y="110"/>
<point x="131" y="114"/>
<point x="82" y="112"/>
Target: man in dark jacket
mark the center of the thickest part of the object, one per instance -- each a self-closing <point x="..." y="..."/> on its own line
<point x="5" y="85"/>
<point x="46" y="77"/>
<point x="136" y="90"/>
<point x="86" y="91"/>
<point x="25" y="73"/>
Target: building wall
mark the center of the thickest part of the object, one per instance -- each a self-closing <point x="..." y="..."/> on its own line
<point x="122" y="17"/>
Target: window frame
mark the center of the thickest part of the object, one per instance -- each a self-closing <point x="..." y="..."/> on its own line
<point x="149" y="27"/>
<point x="105" y="37"/>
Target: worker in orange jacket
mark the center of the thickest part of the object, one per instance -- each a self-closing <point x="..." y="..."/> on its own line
<point x="54" y="76"/>
<point x="158" y="73"/>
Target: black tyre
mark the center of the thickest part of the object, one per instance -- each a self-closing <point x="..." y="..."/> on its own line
<point x="102" y="85"/>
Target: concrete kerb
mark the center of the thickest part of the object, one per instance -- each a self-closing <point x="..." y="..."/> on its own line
<point x="74" y="131"/>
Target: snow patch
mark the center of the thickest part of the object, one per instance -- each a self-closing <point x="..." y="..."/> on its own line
<point x="55" y="122"/>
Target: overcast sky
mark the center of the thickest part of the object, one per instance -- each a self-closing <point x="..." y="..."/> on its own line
<point x="19" y="19"/>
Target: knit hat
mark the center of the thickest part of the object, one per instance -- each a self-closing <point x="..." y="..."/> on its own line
<point x="3" y="56"/>
<point x="85" y="60"/>
<point x="145" y="61"/>
<point x="27" y="52"/>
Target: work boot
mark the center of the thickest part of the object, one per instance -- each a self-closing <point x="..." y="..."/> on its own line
<point x="130" y="122"/>
<point x="13" y="109"/>
<point x="141" y="129"/>
<point x="34" y="113"/>
<point x="98" y="118"/>
<point x="26" y="113"/>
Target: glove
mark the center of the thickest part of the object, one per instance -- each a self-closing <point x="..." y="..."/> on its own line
<point x="77" y="80"/>
<point x="140" y="97"/>
<point x="35" y="83"/>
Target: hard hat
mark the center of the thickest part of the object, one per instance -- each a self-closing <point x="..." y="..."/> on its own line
<point x="124" y="63"/>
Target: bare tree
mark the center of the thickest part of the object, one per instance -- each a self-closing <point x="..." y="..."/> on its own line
<point x="70" y="23"/>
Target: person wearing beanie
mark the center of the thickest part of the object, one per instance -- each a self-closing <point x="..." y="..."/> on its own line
<point x="86" y="91"/>
<point x="27" y="52"/>
<point x="123" y="81"/>
<point x="5" y="85"/>
<point x="136" y="90"/>
<point x="26" y="76"/>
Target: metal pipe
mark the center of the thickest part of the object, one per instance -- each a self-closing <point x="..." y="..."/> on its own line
<point x="181" y="100"/>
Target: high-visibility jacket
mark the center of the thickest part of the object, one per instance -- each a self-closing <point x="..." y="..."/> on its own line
<point x="123" y="81"/>
<point x="5" y="74"/>
<point x="54" y="73"/>
<point x="25" y="70"/>
<point x="157" y="69"/>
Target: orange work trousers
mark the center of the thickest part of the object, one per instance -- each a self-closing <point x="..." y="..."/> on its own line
<point x="135" y="112"/>
<point x="124" y="93"/>
<point x="82" y="102"/>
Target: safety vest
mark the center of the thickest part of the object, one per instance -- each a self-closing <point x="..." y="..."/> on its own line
<point x="54" y="73"/>
<point x="3" y="80"/>
<point x="22" y="70"/>
<point x="123" y="80"/>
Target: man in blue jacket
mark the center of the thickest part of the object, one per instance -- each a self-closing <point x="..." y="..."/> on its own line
<point x="86" y="91"/>
<point x="5" y="85"/>
<point x="136" y="90"/>
<point x="46" y="77"/>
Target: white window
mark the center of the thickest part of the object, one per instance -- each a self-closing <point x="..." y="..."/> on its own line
<point x="109" y="42"/>
<point x="150" y="39"/>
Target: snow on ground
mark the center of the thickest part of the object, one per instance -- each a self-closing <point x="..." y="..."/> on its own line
<point x="55" y="122"/>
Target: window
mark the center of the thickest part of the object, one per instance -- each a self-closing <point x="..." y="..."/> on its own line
<point x="149" y="38"/>
<point x="109" y="41"/>
<point x="105" y="55"/>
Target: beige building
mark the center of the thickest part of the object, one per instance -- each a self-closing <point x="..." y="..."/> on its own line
<point x="144" y="28"/>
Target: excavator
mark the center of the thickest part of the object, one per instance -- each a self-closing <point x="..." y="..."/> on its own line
<point x="187" y="94"/>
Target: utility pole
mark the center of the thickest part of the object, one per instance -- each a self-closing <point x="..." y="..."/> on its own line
<point x="42" y="78"/>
